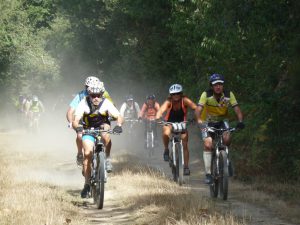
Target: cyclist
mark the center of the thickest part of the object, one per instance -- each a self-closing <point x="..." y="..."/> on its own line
<point x="148" y="113"/>
<point x="35" y="109"/>
<point x="94" y="110"/>
<point x="130" y="109"/>
<point x="176" y="107"/>
<point x="212" y="110"/>
<point x="26" y="105"/>
<point x="89" y="81"/>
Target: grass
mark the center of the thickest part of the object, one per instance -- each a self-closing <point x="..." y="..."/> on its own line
<point x="281" y="198"/>
<point x="155" y="199"/>
<point x="33" y="203"/>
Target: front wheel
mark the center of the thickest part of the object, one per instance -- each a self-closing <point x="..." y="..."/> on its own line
<point x="214" y="187"/>
<point x="223" y="178"/>
<point x="150" y="143"/>
<point x="99" y="181"/>
<point x="179" y="163"/>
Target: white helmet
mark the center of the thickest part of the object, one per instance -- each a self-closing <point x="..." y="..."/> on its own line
<point x="96" y="88"/>
<point x="175" y="88"/>
<point x="35" y="98"/>
<point x="91" y="80"/>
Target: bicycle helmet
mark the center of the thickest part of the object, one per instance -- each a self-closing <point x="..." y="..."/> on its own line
<point x="91" y="80"/>
<point x="35" y="98"/>
<point x="216" y="78"/>
<point x="129" y="98"/>
<point x="97" y="88"/>
<point x="175" y="88"/>
<point x="150" y="97"/>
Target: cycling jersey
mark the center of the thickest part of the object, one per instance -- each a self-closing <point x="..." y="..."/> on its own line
<point x="95" y="116"/>
<point x="130" y="112"/>
<point x="36" y="107"/>
<point x="215" y="110"/>
<point x="176" y="115"/>
<point x="149" y="112"/>
<point x="82" y="94"/>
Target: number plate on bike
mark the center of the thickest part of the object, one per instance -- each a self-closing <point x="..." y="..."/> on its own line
<point x="179" y="127"/>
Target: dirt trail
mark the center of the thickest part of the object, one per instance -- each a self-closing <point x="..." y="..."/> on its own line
<point x="54" y="162"/>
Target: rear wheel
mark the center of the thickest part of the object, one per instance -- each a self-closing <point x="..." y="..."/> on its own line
<point x="99" y="181"/>
<point x="223" y="178"/>
<point x="214" y="187"/>
<point x="150" y="143"/>
<point x="179" y="163"/>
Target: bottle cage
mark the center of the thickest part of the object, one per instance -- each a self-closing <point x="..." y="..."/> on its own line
<point x="179" y="127"/>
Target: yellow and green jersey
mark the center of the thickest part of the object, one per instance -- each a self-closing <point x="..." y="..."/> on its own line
<point x="216" y="110"/>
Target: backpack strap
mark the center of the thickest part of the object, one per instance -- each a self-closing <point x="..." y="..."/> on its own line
<point x="226" y="93"/>
<point x="92" y="108"/>
<point x="209" y="93"/>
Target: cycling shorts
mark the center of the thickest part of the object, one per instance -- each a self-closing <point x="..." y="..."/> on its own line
<point x="217" y="125"/>
<point x="88" y="137"/>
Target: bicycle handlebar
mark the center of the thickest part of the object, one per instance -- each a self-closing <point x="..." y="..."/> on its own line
<point x="131" y="120"/>
<point x="213" y="129"/>
<point x="170" y="123"/>
<point x="97" y="131"/>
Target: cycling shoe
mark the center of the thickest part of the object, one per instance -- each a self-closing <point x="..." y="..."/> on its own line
<point x="186" y="171"/>
<point x="166" y="155"/>
<point x="85" y="191"/>
<point x="79" y="159"/>
<point x="208" y="179"/>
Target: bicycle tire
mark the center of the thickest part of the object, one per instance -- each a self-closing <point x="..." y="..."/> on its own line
<point x="150" y="143"/>
<point x="214" y="187"/>
<point x="179" y="163"/>
<point x="100" y="181"/>
<point x="223" y="178"/>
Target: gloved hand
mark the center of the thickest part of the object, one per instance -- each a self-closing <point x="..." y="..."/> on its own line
<point x="117" y="129"/>
<point x="160" y="120"/>
<point x="79" y="129"/>
<point x="240" y="125"/>
<point x="70" y="125"/>
<point x="202" y="126"/>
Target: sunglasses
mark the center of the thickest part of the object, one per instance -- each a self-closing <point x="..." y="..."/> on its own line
<point x="175" y="94"/>
<point x="96" y="95"/>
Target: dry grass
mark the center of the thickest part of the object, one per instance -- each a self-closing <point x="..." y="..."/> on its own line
<point x="33" y="203"/>
<point x="154" y="199"/>
<point x="266" y="194"/>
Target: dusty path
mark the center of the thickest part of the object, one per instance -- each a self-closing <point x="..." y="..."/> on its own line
<point x="54" y="163"/>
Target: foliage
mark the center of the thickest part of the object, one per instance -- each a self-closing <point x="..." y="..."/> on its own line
<point x="255" y="44"/>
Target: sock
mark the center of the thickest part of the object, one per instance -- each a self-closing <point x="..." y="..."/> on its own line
<point x="207" y="161"/>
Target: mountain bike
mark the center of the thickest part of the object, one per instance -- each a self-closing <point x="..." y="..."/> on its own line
<point x="34" y="122"/>
<point x="130" y="125"/>
<point x="150" y="137"/>
<point x="220" y="169"/>
<point x="176" y="156"/>
<point x="98" y="170"/>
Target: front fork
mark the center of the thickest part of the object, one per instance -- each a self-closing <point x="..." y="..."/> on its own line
<point x="174" y="152"/>
<point x="217" y="157"/>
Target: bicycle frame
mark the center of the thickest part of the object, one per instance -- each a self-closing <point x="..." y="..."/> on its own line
<point x="220" y="163"/>
<point x="150" y="134"/>
<point x="130" y="123"/>
<point x="98" y="170"/>
<point x="176" y="160"/>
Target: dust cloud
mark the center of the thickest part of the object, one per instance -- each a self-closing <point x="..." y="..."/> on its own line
<point x="50" y="155"/>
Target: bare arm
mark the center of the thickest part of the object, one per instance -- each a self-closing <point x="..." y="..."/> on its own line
<point x="120" y="120"/>
<point x="238" y="113"/>
<point x="75" y="122"/>
<point x="162" y="109"/>
<point x="70" y="114"/>
<point x="143" y="110"/>
<point x="198" y="112"/>
<point x="189" y="103"/>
